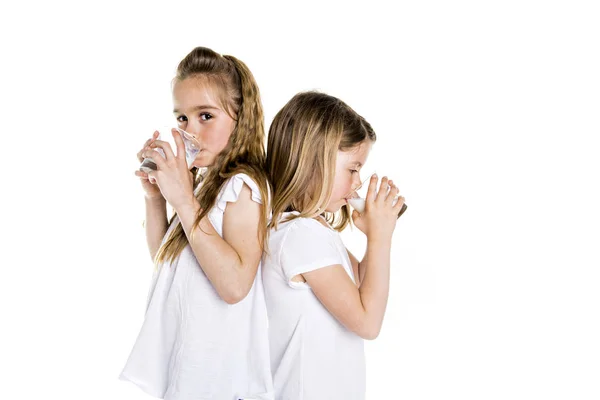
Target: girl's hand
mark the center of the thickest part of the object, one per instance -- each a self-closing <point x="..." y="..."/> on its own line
<point x="151" y="190"/>
<point x="173" y="177"/>
<point x="380" y="216"/>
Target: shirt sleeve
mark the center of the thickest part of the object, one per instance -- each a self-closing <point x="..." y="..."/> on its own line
<point x="232" y="189"/>
<point x="307" y="246"/>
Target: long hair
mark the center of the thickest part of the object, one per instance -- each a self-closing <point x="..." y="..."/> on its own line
<point x="303" y="142"/>
<point x="244" y="153"/>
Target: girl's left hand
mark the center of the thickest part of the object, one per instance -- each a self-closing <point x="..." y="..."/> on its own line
<point x="173" y="177"/>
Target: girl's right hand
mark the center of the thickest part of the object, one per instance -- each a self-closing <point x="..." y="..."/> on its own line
<point x="151" y="189"/>
<point x="380" y="216"/>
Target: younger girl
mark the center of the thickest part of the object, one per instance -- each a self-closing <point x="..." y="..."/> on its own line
<point x="205" y="330"/>
<point x="321" y="301"/>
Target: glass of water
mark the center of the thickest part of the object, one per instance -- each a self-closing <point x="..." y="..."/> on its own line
<point x="357" y="198"/>
<point x="192" y="147"/>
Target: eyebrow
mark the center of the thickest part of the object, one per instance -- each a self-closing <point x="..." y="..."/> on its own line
<point x="197" y="108"/>
<point x="358" y="163"/>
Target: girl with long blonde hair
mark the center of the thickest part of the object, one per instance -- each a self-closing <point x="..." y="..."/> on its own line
<point x="205" y="328"/>
<point x="321" y="301"/>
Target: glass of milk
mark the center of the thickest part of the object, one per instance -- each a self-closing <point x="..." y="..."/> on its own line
<point x="192" y="147"/>
<point x="357" y="201"/>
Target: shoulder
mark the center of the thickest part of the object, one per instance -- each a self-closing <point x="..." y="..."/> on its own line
<point x="302" y="245"/>
<point x="304" y="231"/>
<point x="232" y="188"/>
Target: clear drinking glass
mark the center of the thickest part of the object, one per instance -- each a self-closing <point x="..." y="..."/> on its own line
<point x="192" y="147"/>
<point x="357" y="198"/>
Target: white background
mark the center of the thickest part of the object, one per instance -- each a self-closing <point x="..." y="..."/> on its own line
<point x="486" y="114"/>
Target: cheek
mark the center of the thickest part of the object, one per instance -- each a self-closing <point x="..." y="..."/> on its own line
<point x="216" y="140"/>
<point x="341" y="188"/>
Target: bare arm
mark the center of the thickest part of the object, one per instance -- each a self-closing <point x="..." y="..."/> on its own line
<point x="156" y="223"/>
<point x="361" y="310"/>
<point x="230" y="262"/>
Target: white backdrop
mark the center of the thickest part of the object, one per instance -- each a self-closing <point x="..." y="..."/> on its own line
<point x="485" y="114"/>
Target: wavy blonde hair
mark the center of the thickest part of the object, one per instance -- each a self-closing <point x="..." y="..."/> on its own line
<point x="240" y="98"/>
<point x="303" y="142"/>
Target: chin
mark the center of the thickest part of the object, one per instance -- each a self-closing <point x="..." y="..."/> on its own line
<point x="200" y="163"/>
<point x="333" y="208"/>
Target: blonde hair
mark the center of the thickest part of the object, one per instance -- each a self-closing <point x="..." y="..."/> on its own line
<point x="303" y="142"/>
<point x="240" y="98"/>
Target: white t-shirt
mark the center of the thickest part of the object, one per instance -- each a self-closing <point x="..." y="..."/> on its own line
<point x="192" y="344"/>
<point x="313" y="356"/>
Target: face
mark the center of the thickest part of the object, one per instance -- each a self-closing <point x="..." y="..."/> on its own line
<point x="198" y="112"/>
<point x="347" y="174"/>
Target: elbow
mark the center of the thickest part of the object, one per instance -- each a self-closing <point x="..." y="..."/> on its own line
<point x="369" y="331"/>
<point x="234" y="296"/>
<point x="232" y="299"/>
<point x="371" y="335"/>
<point x="237" y="290"/>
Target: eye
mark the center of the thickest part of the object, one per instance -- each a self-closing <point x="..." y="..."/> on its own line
<point x="181" y="118"/>
<point x="205" y="116"/>
<point x="354" y="171"/>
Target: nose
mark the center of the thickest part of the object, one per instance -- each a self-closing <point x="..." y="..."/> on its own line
<point x="192" y="128"/>
<point x="192" y="132"/>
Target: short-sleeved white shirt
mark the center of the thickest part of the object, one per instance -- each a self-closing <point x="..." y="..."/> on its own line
<point x="192" y="344"/>
<point x="313" y="356"/>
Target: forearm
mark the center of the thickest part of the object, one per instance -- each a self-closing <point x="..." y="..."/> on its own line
<point x="156" y="224"/>
<point x="219" y="261"/>
<point x="375" y="283"/>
